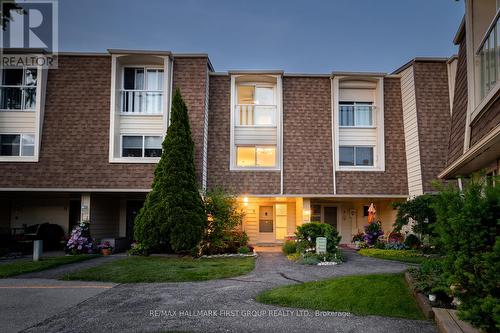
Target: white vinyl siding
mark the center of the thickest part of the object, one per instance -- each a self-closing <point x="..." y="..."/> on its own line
<point x="141" y="124"/>
<point x="255" y="135"/>
<point x="410" y="124"/>
<point x="357" y="136"/>
<point x="17" y="122"/>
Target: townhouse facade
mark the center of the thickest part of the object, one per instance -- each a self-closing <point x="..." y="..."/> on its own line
<point x="81" y="142"/>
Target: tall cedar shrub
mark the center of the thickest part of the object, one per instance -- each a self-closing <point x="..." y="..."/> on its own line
<point x="173" y="217"/>
<point x="420" y="211"/>
<point x="468" y="225"/>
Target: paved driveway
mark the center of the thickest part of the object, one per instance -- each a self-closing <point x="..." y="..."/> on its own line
<point x="226" y="305"/>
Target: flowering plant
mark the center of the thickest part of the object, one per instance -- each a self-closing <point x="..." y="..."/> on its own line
<point x="105" y="246"/>
<point x="80" y="241"/>
<point x="372" y="232"/>
<point x="359" y="237"/>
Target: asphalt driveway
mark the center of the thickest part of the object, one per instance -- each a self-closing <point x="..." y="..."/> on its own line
<point x="226" y="305"/>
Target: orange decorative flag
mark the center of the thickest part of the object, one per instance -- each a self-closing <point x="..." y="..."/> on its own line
<point x="371" y="213"/>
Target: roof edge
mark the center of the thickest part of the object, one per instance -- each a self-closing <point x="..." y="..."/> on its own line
<point x="420" y="59"/>
<point x="460" y="32"/>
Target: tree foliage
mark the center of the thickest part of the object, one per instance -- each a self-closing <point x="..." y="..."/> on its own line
<point x="468" y="225"/>
<point x="418" y="209"/>
<point x="173" y="216"/>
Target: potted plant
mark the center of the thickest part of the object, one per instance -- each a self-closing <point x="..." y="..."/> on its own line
<point x="105" y="248"/>
<point x="357" y="239"/>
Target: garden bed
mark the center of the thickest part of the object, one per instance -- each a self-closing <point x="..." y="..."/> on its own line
<point x="409" y="256"/>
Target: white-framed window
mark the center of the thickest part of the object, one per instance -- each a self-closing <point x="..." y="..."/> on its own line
<point x="256" y="156"/>
<point x="142" y="90"/>
<point x="356" y="156"/>
<point x="356" y="114"/>
<point x="138" y="146"/>
<point x="18" y="89"/>
<point x="17" y="144"/>
<point x="489" y="54"/>
<point x="255" y="104"/>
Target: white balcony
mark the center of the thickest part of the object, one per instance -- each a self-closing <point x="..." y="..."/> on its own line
<point x="141" y="102"/>
<point x="489" y="55"/>
<point x="255" y="115"/>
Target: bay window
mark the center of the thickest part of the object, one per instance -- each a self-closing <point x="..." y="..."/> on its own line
<point x="18" y="89"/>
<point x="256" y="156"/>
<point x="356" y="114"/>
<point x="141" y="146"/>
<point x="142" y="90"/>
<point x="17" y="144"/>
<point x="355" y="156"/>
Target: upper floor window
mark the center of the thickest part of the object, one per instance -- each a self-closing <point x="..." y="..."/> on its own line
<point x="256" y="105"/>
<point x="356" y="114"/>
<point x="17" y="144"/>
<point x="142" y="90"/>
<point x="141" y="146"/>
<point x="489" y="54"/>
<point x="355" y="156"/>
<point x="18" y="89"/>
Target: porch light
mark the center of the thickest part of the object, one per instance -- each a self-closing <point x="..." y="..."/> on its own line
<point x="245" y="201"/>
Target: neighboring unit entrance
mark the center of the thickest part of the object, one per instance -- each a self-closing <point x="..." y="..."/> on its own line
<point x="331" y="216"/>
<point x="133" y="207"/>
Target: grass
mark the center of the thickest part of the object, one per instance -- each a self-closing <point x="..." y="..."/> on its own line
<point x="25" y="266"/>
<point x="158" y="269"/>
<point x="377" y="294"/>
<point x="411" y="256"/>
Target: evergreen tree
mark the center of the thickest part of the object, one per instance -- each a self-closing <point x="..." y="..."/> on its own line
<point x="173" y="216"/>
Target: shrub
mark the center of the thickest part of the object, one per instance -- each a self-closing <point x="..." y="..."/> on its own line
<point x="468" y="230"/>
<point x="412" y="241"/>
<point x="294" y="256"/>
<point x="395" y="246"/>
<point x="359" y="237"/>
<point x="244" y="250"/>
<point x="308" y="232"/>
<point x="372" y="232"/>
<point x="309" y="259"/>
<point x="419" y="212"/>
<point x="396" y="237"/>
<point x="314" y="259"/>
<point x="138" y="249"/>
<point x="80" y="241"/>
<point x="429" y="277"/>
<point x="379" y="244"/>
<point x="289" y="247"/>
<point x="173" y="216"/>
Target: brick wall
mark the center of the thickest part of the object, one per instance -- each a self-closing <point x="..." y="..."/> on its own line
<point x="394" y="179"/>
<point x="433" y="116"/>
<point x="307" y="135"/>
<point x="75" y="138"/>
<point x="251" y="182"/>
<point x="458" y="118"/>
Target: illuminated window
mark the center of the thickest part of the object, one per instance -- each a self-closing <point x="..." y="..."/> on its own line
<point x="251" y="156"/>
<point x="256" y="105"/>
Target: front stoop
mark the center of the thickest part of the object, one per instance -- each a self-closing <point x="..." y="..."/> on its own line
<point x="448" y="322"/>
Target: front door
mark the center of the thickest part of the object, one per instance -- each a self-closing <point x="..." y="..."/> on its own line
<point x="331" y="216"/>
<point x="133" y="207"/>
<point x="266" y="224"/>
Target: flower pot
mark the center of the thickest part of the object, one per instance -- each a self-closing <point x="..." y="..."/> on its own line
<point x="357" y="245"/>
<point x="106" y="252"/>
<point x="432" y="297"/>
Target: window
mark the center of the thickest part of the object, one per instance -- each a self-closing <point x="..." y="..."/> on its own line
<point x="365" y="210"/>
<point x="142" y="90"/>
<point x="489" y="54"/>
<point x="254" y="156"/>
<point x="18" y="89"/>
<point x="256" y="105"/>
<point x="17" y="144"/>
<point x="266" y="219"/>
<point x="355" y="156"/>
<point x="315" y="213"/>
<point x="141" y="146"/>
<point x="356" y="114"/>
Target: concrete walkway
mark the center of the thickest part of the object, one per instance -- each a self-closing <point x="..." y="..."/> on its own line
<point x="227" y="305"/>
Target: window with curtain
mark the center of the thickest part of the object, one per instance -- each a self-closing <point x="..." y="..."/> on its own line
<point x="141" y="146"/>
<point x="18" y="89"/>
<point x="142" y="90"/>
<point x="256" y="156"/>
<point x="256" y="105"/>
<point x="355" y="156"/>
<point x="356" y="114"/>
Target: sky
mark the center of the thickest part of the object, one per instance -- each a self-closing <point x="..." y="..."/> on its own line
<point x="297" y="36"/>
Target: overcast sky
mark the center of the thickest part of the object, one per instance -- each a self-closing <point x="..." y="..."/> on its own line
<point x="306" y="36"/>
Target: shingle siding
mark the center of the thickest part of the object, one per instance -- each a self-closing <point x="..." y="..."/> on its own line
<point x="459" y="114"/>
<point x="393" y="181"/>
<point x="488" y="121"/>
<point x="433" y="114"/>
<point x="307" y="136"/>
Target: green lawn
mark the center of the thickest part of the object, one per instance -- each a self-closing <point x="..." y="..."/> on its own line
<point x="410" y="256"/>
<point x="158" y="269"/>
<point x="377" y="294"/>
<point x="27" y="266"/>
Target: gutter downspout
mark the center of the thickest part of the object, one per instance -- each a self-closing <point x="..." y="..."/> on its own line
<point x="332" y="85"/>
<point x="281" y="132"/>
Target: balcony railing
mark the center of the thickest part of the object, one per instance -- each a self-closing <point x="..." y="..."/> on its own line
<point x="255" y="115"/>
<point x="17" y="98"/>
<point x="489" y="54"/>
<point x="141" y="101"/>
